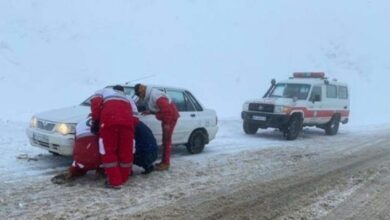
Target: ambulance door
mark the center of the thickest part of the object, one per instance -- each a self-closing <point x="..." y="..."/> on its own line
<point x="315" y="104"/>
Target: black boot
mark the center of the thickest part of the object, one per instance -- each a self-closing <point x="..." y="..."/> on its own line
<point x="148" y="169"/>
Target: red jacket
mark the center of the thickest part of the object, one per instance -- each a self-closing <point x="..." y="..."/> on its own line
<point x="159" y="103"/>
<point x="167" y="110"/>
<point x="111" y="107"/>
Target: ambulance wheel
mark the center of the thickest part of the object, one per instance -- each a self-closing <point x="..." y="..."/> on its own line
<point x="249" y="128"/>
<point x="332" y="127"/>
<point x="293" y="127"/>
<point x="197" y="142"/>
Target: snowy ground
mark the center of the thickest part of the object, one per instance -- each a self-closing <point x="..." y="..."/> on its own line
<point x="234" y="170"/>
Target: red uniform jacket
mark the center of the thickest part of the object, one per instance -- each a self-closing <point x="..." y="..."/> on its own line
<point x="111" y="107"/>
<point x="167" y="112"/>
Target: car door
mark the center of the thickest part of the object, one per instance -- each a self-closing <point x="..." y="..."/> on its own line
<point x="189" y="117"/>
<point x="330" y="104"/>
<point x="315" y="104"/>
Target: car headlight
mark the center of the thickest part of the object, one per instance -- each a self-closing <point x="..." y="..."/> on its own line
<point x="34" y="122"/>
<point x="245" y="107"/>
<point x="280" y="109"/>
<point x="64" y="128"/>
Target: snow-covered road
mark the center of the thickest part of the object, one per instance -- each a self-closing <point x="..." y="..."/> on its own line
<point x="232" y="162"/>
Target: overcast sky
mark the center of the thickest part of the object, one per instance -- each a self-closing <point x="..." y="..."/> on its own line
<point x="55" y="53"/>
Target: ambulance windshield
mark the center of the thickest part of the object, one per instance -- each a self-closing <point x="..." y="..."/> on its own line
<point x="287" y="90"/>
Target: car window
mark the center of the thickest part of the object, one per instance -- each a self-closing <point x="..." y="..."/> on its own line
<point x="195" y="102"/>
<point x="129" y="91"/>
<point x="343" y="92"/>
<point x="180" y="100"/>
<point x="331" y="91"/>
<point x="316" y="93"/>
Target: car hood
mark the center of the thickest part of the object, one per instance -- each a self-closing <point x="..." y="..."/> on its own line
<point x="274" y="101"/>
<point x="72" y="114"/>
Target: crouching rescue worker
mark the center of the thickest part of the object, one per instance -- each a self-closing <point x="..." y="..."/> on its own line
<point x="158" y="103"/>
<point x="86" y="155"/>
<point x="145" y="147"/>
<point x="112" y="115"/>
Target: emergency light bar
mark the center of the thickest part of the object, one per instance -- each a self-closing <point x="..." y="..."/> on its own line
<point x="320" y="75"/>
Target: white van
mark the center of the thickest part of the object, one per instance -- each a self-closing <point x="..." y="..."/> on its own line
<point x="306" y="99"/>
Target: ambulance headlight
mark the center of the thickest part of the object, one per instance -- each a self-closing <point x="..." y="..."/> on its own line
<point x="280" y="109"/>
<point x="33" y="122"/>
<point x="64" y="128"/>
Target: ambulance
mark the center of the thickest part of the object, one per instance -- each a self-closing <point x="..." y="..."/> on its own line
<point x="305" y="99"/>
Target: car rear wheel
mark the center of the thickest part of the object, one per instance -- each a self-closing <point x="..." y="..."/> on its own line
<point x="332" y="127"/>
<point x="249" y="128"/>
<point x="197" y="142"/>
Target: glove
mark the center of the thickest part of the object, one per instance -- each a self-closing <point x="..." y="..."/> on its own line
<point x="94" y="127"/>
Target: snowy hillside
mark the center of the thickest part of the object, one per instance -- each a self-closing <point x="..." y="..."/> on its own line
<point x="56" y="53"/>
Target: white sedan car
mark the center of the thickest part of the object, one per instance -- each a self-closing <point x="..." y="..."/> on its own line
<point x="54" y="130"/>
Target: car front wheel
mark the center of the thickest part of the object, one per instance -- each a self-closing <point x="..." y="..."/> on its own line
<point x="293" y="128"/>
<point x="249" y="128"/>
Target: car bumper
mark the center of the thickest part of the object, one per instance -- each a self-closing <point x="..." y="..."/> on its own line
<point x="212" y="131"/>
<point x="265" y="120"/>
<point x="57" y="143"/>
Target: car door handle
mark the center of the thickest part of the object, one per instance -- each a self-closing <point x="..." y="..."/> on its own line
<point x="192" y="115"/>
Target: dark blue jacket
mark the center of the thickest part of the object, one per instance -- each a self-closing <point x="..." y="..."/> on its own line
<point x="145" y="142"/>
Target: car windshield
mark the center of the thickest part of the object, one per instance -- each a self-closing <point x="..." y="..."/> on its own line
<point x="284" y="90"/>
<point x="129" y="91"/>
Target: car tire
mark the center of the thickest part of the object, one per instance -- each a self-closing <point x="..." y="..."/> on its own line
<point x="332" y="127"/>
<point x="249" y="128"/>
<point x="197" y="142"/>
<point x="293" y="127"/>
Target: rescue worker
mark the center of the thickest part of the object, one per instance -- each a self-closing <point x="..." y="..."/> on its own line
<point x="86" y="155"/>
<point x="158" y="103"/>
<point x="145" y="147"/>
<point x="112" y="116"/>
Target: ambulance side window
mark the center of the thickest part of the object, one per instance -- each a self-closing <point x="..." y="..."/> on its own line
<point x="343" y="92"/>
<point x="316" y="94"/>
<point x="331" y="91"/>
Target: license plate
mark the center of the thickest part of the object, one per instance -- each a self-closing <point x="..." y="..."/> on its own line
<point x="41" y="137"/>
<point x="259" y="118"/>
